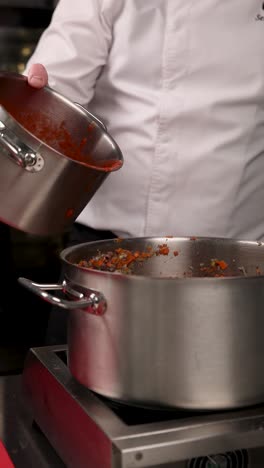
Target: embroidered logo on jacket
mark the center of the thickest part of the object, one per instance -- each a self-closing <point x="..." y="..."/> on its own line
<point x="260" y="16"/>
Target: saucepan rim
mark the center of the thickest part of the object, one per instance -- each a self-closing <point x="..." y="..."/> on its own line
<point x="76" y="108"/>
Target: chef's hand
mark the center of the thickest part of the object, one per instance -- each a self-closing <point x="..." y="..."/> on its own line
<point x="37" y="76"/>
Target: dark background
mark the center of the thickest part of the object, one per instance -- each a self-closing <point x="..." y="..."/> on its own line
<point x="23" y="316"/>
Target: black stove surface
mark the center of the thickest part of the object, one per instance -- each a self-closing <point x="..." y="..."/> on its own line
<point x="136" y="415"/>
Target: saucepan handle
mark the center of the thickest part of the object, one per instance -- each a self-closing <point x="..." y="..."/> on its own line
<point x="20" y="153"/>
<point x="90" y="300"/>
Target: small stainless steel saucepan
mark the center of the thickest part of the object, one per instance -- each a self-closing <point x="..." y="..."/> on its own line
<point x="54" y="157"/>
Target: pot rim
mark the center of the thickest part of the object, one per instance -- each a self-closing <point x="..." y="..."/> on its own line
<point x="135" y="277"/>
<point x="119" y="157"/>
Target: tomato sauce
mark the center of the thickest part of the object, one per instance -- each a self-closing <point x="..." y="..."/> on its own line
<point x="58" y="137"/>
<point x="124" y="260"/>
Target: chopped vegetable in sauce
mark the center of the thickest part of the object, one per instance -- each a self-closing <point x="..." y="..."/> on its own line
<point x="124" y="260"/>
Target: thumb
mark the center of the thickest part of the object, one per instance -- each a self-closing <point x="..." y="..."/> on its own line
<point x="37" y="76"/>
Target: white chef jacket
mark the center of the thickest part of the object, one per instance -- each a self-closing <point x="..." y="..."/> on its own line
<point x="180" y="86"/>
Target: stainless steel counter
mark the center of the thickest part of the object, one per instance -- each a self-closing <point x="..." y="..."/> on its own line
<point x="26" y="445"/>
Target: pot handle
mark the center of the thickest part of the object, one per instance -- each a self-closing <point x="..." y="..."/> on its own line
<point x="21" y="154"/>
<point x="92" y="115"/>
<point x="90" y="300"/>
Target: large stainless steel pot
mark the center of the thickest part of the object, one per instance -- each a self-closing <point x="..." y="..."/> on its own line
<point x="152" y="338"/>
<point x="44" y="182"/>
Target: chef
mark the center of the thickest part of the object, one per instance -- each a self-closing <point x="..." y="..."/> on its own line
<point x="180" y="86"/>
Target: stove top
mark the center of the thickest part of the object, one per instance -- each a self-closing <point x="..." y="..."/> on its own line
<point x="88" y="430"/>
